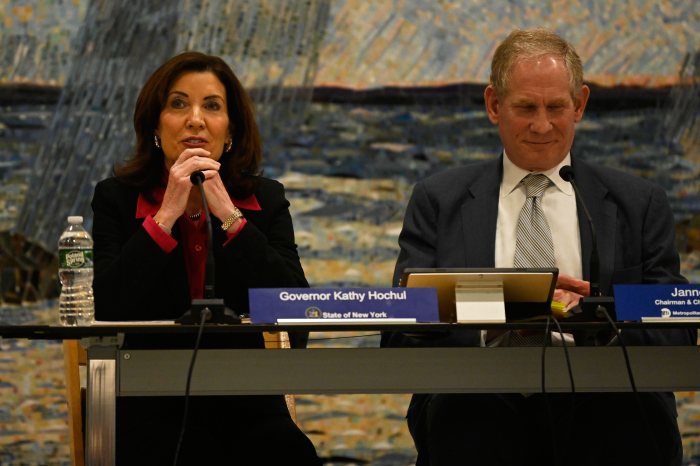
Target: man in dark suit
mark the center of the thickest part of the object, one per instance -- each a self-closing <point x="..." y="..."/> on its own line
<point x="470" y="216"/>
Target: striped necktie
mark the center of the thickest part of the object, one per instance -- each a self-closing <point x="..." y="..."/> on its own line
<point x="533" y="239"/>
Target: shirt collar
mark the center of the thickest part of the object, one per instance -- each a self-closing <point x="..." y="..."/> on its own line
<point x="512" y="175"/>
<point x="145" y="208"/>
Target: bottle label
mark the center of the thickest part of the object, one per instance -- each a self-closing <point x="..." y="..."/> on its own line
<point x="75" y="258"/>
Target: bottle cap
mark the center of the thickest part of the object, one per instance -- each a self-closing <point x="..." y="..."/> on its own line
<point x="75" y="219"/>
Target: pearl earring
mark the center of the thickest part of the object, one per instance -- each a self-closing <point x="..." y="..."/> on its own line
<point x="156" y="140"/>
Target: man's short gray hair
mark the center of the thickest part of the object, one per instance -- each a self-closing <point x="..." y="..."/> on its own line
<point x="532" y="43"/>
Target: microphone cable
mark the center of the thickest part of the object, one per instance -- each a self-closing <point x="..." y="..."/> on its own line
<point x="618" y="335"/>
<point x="550" y="419"/>
<point x="630" y="376"/>
<point x="567" y="174"/>
<point x="572" y="408"/>
<point x="566" y="355"/>
<point x="550" y="318"/>
<point x="205" y="315"/>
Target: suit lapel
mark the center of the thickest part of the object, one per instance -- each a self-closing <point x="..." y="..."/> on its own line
<point x="479" y="215"/>
<point x="604" y="214"/>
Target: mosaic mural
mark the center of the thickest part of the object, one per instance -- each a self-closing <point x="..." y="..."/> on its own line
<point x="356" y="101"/>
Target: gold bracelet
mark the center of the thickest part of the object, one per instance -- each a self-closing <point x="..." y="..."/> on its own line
<point x="231" y="219"/>
<point x="163" y="227"/>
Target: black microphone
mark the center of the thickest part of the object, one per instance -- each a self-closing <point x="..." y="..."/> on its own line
<point x="214" y="309"/>
<point x="197" y="177"/>
<point x="595" y="302"/>
<point x="567" y="174"/>
<point x="594" y="306"/>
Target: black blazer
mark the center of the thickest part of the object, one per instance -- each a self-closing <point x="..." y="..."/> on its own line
<point x="136" y="280"/>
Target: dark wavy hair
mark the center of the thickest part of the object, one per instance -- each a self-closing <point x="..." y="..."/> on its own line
<point x="239" y="166"/>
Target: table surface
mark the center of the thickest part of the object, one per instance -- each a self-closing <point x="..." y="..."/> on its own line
<point x="56" y="332"/>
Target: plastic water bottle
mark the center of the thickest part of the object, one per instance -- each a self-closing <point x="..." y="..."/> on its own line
<point x="76" y="305"/>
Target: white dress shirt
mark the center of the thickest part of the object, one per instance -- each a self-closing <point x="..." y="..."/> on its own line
<point x="559" y="206"/>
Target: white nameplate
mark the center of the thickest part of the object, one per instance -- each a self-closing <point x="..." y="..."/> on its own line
<point x="480" y="302"/>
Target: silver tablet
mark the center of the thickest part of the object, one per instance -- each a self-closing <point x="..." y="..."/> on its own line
<point x="527" y="292"/>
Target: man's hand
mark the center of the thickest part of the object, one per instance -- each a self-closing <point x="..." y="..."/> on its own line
<point x="570" y="290"/>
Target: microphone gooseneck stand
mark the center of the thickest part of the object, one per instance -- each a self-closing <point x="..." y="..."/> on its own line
<point x="208" y="309"/>
<point x="595" y="306"/>
<point x="219" y="313"/>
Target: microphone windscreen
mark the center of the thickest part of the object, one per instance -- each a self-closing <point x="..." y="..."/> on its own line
<point x="566" y="173"/>
<point x="197" y="177"/>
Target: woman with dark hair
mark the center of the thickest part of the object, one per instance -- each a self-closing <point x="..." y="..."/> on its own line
<point x="150" y="254"/>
